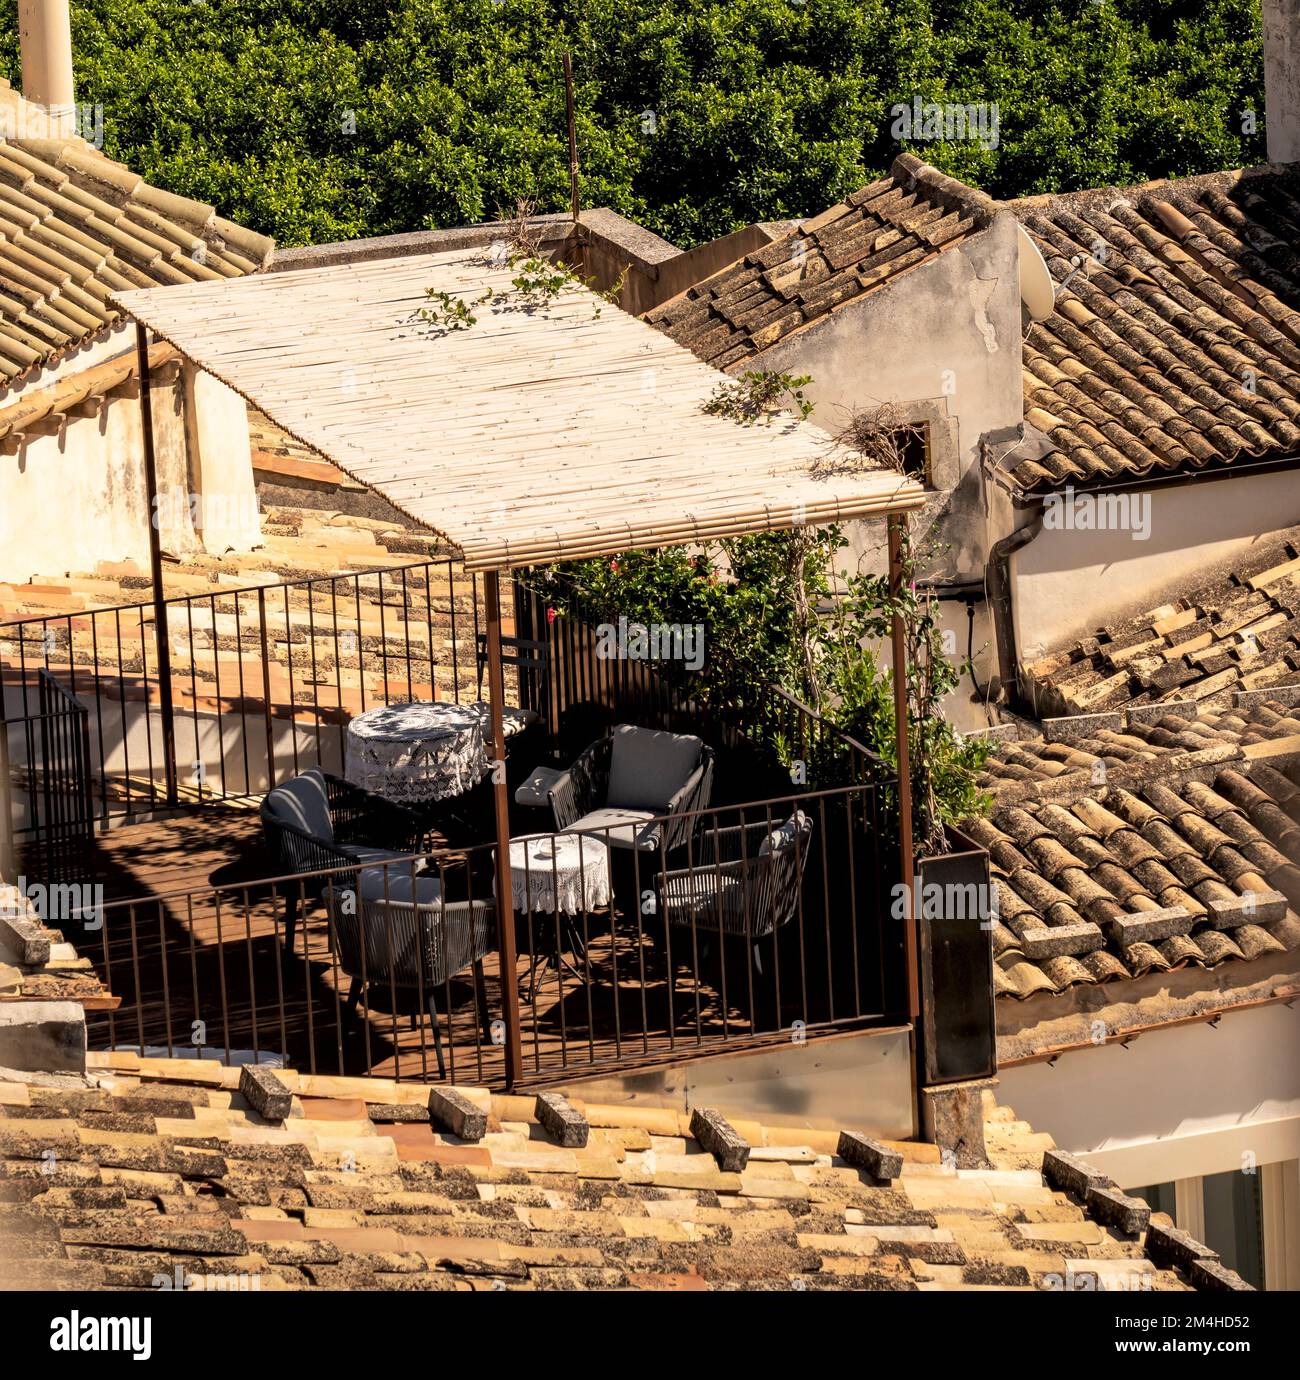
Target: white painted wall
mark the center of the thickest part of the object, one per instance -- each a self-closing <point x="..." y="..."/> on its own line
<point x="1174" y="1104"/>
<point x="946" y="337"/>
<point x="1068" y="583"/>
<point x="71" y="500"/>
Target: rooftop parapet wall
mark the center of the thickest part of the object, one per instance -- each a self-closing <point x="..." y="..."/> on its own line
<point x="45" y="987"/>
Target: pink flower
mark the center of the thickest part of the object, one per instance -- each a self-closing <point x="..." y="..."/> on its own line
<point x="613" y="565"/>
<point x="550" y="615"/>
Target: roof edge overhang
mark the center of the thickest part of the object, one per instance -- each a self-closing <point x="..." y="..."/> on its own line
<point x="1137" y="483"/>
<point x="545" y="548"/>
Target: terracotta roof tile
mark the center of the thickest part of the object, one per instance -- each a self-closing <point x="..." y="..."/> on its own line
<point x="1173" y="839"/>
<point x="74" y="226"/>
<point x="1175" y="343"/>
<point x="1239" y="631"/>
<point x="135" y="1190"/>
<point x="872" y="237"/>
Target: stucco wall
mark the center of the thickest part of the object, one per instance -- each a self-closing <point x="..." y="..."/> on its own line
<point x="1175" y="1103"/>
<point x="1068" y="582"/>
<point x="73" y="499"/>
<point x="944" y="338"/>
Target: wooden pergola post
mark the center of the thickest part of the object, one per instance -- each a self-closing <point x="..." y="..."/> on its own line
<point x="911" y="962"/>
<point x="162" y="643"/>
<point x="501" y="800"/>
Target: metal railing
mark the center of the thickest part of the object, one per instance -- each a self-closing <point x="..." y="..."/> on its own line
<point x="773" y="739"/>
<point x="57" y="810"/>
<point x="740" y="935"/>
<point x="263" y="679"/>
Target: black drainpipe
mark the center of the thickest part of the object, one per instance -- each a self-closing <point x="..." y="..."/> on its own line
<point x="1004" y="626"/>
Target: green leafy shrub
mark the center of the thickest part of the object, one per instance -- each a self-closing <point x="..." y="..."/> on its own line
<point x="313" y="120"/>
<point x="765" y="604"/>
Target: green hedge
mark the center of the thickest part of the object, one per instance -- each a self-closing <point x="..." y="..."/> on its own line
<point x="316" y="120"/>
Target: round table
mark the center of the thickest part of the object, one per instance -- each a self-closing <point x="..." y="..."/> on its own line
<point x="412" y="753"/>
<point x="564" y="875"/>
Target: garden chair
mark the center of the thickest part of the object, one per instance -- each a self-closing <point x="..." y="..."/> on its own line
<point x="635" y="789"/>
<point x="744" y="881"/>
<point x="317" y="821"/>
<point x="393" y="929"/>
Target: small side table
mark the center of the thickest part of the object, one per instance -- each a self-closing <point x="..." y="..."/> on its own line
<point x="565" y="875"/>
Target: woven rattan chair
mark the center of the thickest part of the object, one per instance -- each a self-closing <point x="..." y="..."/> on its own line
<point x="744" y="881"/>
<point x="390" y="929"/>
<point x="635" y="789"/>
<point x="318" y="821"/>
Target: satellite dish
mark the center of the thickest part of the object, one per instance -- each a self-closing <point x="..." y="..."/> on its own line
<point x="1037" y="288"/>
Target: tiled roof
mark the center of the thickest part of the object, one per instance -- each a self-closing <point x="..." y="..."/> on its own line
<point x="869" y="239"/>
<point x="1107" y="884"/>
<point x="37" y="963"/>
<point x="1240" y="631"/>
<point x="161" y="1167"/>
<point x="1176" y="345"/>
<point x="279" y="457"/>
<point x="75" y="226"/>
<point x="1108" y="749"/>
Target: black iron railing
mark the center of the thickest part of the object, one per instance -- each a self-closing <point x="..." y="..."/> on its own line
<point x="262" y="681"/>
<point x="53" y="806"/>
<point x="770" y="922"/>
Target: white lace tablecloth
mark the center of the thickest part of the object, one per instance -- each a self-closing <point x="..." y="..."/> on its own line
<point x="410" y="753"/>
<point x="559" y="872"/>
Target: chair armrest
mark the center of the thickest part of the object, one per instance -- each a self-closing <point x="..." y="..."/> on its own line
<point x="536" y="788"/>
<point x="697" y="886"/>
<point x="681" y="798"/>
<point x="691" y="796"/>
<point x="583" y="787"/>
<point x="563" y="795"/>
<point x="300" y="851"/>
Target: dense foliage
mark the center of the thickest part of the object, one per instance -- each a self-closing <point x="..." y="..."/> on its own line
<point x="316" y="120"/>
<point x="763" y="603"/>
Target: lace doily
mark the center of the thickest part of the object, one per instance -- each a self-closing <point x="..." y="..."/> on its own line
<point x="416" y="752"/>
<point x="564" y="872"/>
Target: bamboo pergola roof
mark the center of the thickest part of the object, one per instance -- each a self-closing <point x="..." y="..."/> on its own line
<point x="536" y="434"/>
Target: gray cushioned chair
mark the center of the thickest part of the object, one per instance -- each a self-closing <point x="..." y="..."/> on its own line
<point x="391" y="929"/>
<point x="622" y="784"/>
<point x="318" y="821"/>
<point x="744" y="881"/>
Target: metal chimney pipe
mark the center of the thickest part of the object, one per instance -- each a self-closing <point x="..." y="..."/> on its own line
<point x="45" y="36"/>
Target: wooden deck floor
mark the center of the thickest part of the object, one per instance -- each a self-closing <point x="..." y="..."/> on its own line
<point x="209" y="970"/>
